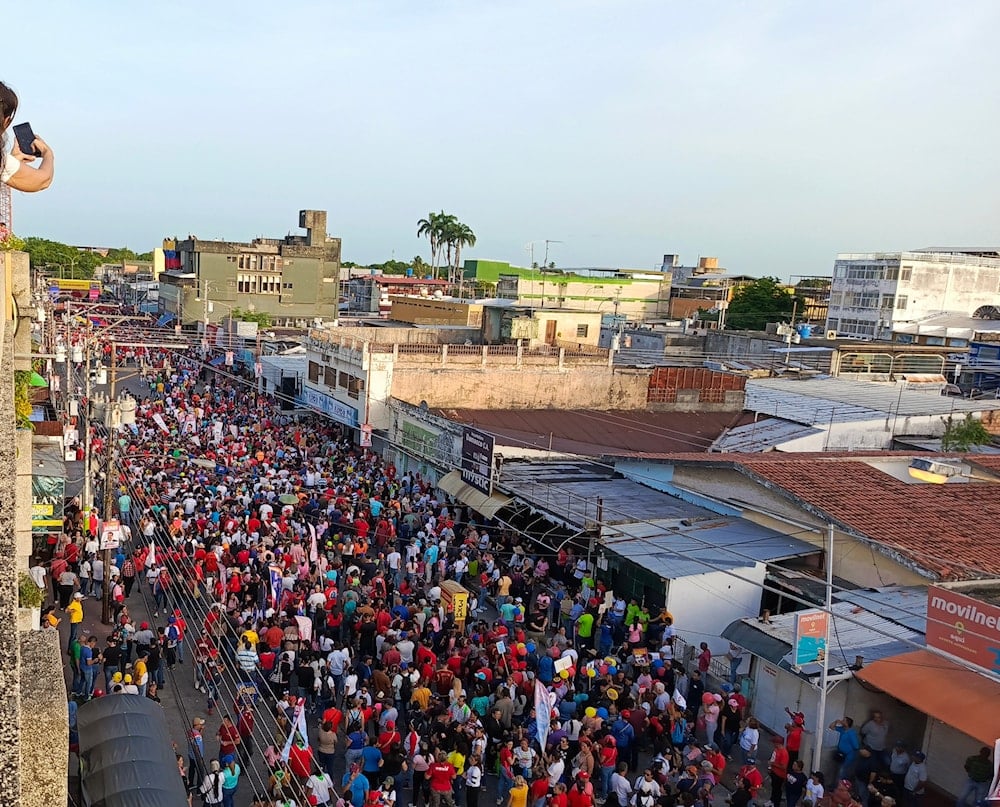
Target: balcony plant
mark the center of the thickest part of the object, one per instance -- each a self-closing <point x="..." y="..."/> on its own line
<point x="22" y="399"/>
<point x="28" y="594"/>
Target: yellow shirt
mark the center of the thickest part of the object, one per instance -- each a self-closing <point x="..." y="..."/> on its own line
<point x="252" y="636"/>
<point x="458" y="761"/>
<point x="139" y="672"/>
<point x="75" y="611"/>
<point x="519" y="796"/>
<point x="422" y="697"/>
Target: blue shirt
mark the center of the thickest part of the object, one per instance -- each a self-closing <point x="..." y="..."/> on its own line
<point x="849" y="744"/>
<point x="359" y="789"/>
<point x="370" y="758"/>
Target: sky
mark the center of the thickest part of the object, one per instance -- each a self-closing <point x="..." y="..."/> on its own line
<point x="770" y="134"/>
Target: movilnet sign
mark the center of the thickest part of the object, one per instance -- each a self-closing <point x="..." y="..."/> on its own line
<point x="477" y="460"/>
<point x="966" y="628"/>
<point x="811" y="631"/>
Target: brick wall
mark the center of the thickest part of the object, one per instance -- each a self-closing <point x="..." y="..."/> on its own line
<point x="711" y="385"/>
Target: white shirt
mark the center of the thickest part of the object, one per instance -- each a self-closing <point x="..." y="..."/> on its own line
<point x="11" y="165"/>
<point x="474" y="776"/>
<point x="320" y="785"/>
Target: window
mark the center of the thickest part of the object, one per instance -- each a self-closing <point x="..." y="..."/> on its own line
<point x="836" y="299"/>
<point x="287" y="286"/>
<point x="901" y="302"/>
<point x="857" y="327"/>
<point x="833" y="324"/>
<point x="315" y="371"/>
<point x="905" y="274"/>
<point x="581" y="331"/>
<point x="342" y="380"/>
<point x="355" y="387"/>
<point x="888" y="302"/>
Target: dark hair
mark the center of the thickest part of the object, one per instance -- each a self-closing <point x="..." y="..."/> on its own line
<point x="8" y="108"/>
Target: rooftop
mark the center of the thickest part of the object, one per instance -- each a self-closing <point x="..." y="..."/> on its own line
<point x="673" y="548"/>
<point x="763" y="435"/>
<point x="856" y="630"/>
<point x="945" y="531"/>
<point x="825" y="400"/>
<point x="592" y="433"/>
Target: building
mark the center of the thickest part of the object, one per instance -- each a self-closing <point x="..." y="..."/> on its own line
<point x="794" y="414"/>
<point x="371" y="294"/>
<point x="636" y="294"/>
<point x="874" y="293"/>
<point x="295" y="280"/>
<point x="532" y="326"/>
<point x="701" y="287"/>
<point x="354" y="373"/>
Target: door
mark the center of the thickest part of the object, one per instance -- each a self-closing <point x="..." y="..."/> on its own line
<point x="550" y="331"/>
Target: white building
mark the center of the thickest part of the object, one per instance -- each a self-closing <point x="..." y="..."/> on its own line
<point x="873" y="293"/>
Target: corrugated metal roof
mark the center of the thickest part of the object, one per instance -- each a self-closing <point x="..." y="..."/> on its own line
<point x="593" y="433"/>
<point x="854" y="632"/>
<point x="568" y="493"/>
<point x="671" y="548"/>
<point x="821" y="401"/>
<point x="764" y="435"/>
<point x="906" y="605"/>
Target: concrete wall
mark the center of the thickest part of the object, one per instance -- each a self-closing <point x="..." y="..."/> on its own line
<point x="429" y="311"/>
<point x="703" y="605"/>
<point x="528" y="387"/>
<point x="44" y="720"/>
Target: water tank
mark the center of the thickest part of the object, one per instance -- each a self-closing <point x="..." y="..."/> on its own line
<point x="409" y="271"/>
<point x="804" y="330"/>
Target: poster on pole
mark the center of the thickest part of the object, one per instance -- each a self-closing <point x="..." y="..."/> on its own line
<point x="111" y="535"/>
<point x="811" y="632"/>
<point x="477" y="460"/>
<point x="366" y="435"/>
<point x="47" y="494"/>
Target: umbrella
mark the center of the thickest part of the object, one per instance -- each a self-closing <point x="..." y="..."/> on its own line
<point x="36" y="380"/>
<point x="288" y="498"/>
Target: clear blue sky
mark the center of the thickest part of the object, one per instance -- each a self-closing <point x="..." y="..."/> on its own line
<point x="770" y="134"/>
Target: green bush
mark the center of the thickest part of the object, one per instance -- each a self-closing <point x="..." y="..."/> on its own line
<point x="28" y="594"/>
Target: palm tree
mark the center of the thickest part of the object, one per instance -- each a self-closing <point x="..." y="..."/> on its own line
<point x="427" y="228"/>
<point x="462" y="236"/>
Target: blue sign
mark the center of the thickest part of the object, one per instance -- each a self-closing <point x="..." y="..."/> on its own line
<point x="340" y="412"/>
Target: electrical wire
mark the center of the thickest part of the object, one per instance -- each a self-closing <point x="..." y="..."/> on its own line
<point x="785" y="594"/>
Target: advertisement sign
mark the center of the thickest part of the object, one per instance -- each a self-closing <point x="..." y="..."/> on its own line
<point x="811" y="632"/>
<point x="111" y="535"/>
<point x="366" y="436"/>
<point x="340" y="412"/>
<point x="47" y="503"/>
<point x="966" y="628"/>
<point x="477" y="460"/>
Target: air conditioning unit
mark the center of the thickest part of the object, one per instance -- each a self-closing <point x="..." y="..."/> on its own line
<point x="831" y="334"/>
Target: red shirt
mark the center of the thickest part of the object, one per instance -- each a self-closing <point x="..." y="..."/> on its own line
<point x="539" y="788"/>
<point x="335" y="716"/>
<point x="794" y="741"/>
<point x="440" y="775"/>
<point x="228" y="736"/>
<point x="579" y="798"/>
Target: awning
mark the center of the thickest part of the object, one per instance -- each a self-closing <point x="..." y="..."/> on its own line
<point x="164" y="319"/>
<point x="934" y="685"/>
<point x="452" y="484"/>
<point x="756" y="642"/>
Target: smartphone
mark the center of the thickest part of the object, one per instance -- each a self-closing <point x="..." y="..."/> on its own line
<point x="26" y="138"/>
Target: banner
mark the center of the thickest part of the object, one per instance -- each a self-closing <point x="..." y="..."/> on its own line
<point x="275" y="573"/>
<point x="543" y="712"/>
<point x="47" y="503"/>
<point x="298" y="727"/>
<point x="158" y="420"/>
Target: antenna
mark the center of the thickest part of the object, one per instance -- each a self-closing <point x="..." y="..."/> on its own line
<point x="547" y="242"/>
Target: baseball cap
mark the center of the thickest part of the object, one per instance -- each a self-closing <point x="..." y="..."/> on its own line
<point x="78" y="596"/>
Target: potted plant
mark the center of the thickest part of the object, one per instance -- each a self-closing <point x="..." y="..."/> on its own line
<point x="22" y="399"/>
<point x="29" y="600"/>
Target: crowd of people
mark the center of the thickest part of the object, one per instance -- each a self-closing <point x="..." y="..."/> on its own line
<point x="311" y="588"/>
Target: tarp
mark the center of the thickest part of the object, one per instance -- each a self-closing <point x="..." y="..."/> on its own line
<point x="452" y="484"/>
<point x="217" y="361"/>
<point x="165" y="319"/>
<point x="934" y="685"/>
<point x="126" y="757"/>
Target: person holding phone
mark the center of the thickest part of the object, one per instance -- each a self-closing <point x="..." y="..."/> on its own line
<point x="14" y="168"/>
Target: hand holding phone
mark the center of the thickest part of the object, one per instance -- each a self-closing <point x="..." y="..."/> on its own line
<point x="26" y="140"/>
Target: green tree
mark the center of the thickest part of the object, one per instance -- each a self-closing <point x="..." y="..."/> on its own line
<point x="262" y="319"/>
<point x="755" y="305"/>
<point x="432" y="228"/>
<point x="808" y="284"/>
<point x="460" y="236"/>
<point x="961" y="435"/>
<point x="61" y="260"/>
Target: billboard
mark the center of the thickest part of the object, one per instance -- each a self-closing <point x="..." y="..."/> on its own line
<point x="964" y="627"/>
<point x="477" y="460"/>
<point x="47" y="503"/>
<point x="811" y="631"/>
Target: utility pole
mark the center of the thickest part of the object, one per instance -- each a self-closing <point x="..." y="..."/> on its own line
<point x="817" y="758"/>
<point x="84" y="420"/>
<point x="110" y="483"/>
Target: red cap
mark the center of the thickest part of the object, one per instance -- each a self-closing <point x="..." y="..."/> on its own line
<point x="143" y="626"/>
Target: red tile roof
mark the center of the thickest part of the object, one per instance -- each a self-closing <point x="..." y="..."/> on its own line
<point x="951" y="531"/>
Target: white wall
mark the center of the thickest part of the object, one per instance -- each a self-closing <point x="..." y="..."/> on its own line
<point x="947" y="749"/>
<point x="703" y="605"/>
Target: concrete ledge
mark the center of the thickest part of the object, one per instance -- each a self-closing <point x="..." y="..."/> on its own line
<point x="44" y="721"/>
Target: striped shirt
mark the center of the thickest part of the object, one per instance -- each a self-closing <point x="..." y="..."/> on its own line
<point x="247" y="659"/>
